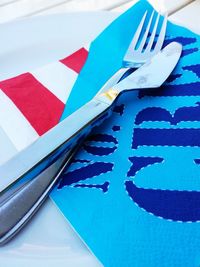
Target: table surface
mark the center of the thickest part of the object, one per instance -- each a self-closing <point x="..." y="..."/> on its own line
<point x="15" y="9"/>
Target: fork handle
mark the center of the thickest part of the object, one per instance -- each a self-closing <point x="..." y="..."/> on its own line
<point x="22" y="202"/>
<point x="21" y="199"/>
<point x="61" y="137"/>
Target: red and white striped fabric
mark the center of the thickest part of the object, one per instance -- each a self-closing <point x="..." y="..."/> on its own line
<point x="33" y="102"/>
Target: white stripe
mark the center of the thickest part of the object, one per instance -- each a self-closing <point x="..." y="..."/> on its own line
<point x="14" y="124"/>
<point x="87" y="46"/>
<point x="57" y="78"/>
<point x="7" y="150"/>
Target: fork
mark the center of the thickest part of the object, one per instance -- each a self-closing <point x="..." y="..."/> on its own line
<point x="27" y="194"/>
<point x="142" y="47"/>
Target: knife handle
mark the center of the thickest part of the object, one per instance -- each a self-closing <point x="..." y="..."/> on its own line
<point x="21" y="199"/>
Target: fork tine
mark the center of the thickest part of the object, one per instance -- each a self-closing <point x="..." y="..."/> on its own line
<point x="144" y="38"/>
<point x="161" y="36"/>
<point x="137" y="34"/>
<point x="153" y="34"/>
<point x="142" y="46"/>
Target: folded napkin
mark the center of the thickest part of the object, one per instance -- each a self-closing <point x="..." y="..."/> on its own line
<point x="33" y="102"/>
<point x="131" y="192"/>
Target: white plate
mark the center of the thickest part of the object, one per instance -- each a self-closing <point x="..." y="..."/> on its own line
<point x="48" y="240"/>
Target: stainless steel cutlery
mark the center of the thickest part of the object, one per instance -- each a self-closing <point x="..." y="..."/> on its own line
<point x="35" y="170"/>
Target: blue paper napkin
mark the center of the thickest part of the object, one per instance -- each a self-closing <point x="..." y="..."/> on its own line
<point x="133" y="191"/>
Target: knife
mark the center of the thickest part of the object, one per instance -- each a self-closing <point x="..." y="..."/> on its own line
<point x="34" y="171"/>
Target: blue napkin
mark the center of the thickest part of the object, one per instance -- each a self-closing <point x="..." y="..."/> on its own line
<point x="133" y="191"/>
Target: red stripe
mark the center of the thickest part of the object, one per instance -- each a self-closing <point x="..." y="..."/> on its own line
<point x="41" y="108"/>
<point x="76" y="60"/>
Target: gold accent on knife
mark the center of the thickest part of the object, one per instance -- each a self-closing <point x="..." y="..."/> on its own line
<point x="111" y="94"/>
